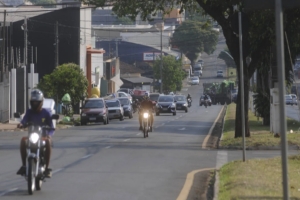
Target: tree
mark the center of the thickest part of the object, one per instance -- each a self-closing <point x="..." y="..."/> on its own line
<point x="45" y="3"/>
<point x="66" y="78"/>
<point x="223" y="12"/>
<point x="172" y="73"/>
<point x="194" y="37"/>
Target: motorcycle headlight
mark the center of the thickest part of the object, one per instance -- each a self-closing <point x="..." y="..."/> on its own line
<point x="185" y="104"/>
<point x="146" y="115"/>
<point x="34" y="137"/>
<point x="83" y="114"/>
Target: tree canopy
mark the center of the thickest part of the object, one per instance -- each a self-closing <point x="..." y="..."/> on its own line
<point x="66" y="78"/>
<point x="193" y="37"/>
<point x="172" y="73"/>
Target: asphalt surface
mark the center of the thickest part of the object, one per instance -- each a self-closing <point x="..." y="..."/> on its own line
<point x="293" y="112"/>
<point x="114" y="161"/>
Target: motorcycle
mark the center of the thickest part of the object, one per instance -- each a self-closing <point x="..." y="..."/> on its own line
<point x="146" y="123"/>
<point x="189" y="102"/>
<point x="36" y="163"/>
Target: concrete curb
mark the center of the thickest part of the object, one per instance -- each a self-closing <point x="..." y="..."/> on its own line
<point x="290" y="147"/>
<point x="216" y="185"/>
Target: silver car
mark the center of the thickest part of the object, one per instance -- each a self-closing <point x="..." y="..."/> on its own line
<point x="289" y="100"/>
<point x="115" y="109"/>
<point x="295" y="99"/>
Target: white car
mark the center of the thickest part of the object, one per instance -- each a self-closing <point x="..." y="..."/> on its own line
<point x="123" y="94"/>
<point x="194" y="80"/>
<point x="219" y="73"/>
<point x="115" y="109"/>
<point x="295" y="99"/>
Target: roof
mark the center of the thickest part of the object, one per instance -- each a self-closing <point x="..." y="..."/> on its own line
<point x="128" y="69"/>
<point x="140" y="79"/>
<point x="18" y="14"/>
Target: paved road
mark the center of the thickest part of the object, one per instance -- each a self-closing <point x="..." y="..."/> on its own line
<point x="293" y="112"/>
<point x="115" y="162"/>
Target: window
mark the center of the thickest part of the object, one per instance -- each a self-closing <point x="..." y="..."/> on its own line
<point x="165" y="99"/>
<point x="124" y="101"/>
<point x="113" y="104"/>
<point x="93" y="104"/>
<point x="179" y="98"/>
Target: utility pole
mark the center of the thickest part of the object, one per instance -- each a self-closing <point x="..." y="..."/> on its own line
<point x="117" y="48"/>
<point x="25" y="41"/>
<point x="161" y="59"/>
<point x="3" y="45"/>
<point x="56" y="46"/>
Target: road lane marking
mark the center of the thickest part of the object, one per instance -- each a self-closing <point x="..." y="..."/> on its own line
<point x="204" y="144"/>
<point x="107" y="147"/>
<point x="182" y="129"/>
<point x="163" y="124"/>
<point x="57" y="170"/>
<point x="8" y="191"/>
<point x="126" y="140"/>
<point x="84" y="157"/>
<point x="138" y="134"/>
<point x="183" y="195"/>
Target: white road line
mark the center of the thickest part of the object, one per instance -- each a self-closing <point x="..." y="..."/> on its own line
<point x="180" y="116"/>
<point x="138" y="134"/>
<point x="168" y="121"/>
<point x="163" y="124"/>
<point x="107" y="147"/>
<point x="84" y="157"/>
<point x="176" y="117"/>
<point x="222" y="158"/>
<point x="8" y="191"/>
<point x="126" y="140"/>
<point x="57" y="170"/>
<point x="182" y="129"/>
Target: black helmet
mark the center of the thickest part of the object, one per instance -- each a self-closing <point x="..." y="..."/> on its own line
<point x="36" y="100"/>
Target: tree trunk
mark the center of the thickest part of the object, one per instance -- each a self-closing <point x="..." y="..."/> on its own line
<point x="238" y="118"/>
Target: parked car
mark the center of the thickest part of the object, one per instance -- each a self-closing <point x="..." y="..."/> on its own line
<point x="126" y="90"/>
<point x="127" y="107"/>
<point x="295" y="99"/>
<point x="194" y="80"/>
<point x="289" y="100"/>
<point x="220" y="73"/>
<point x="165" y="104"/>
<point x="201" y="101"/>
<point x="181" y="103"/>
<point x="115" y="110"/>
<point x="94" y="110"/>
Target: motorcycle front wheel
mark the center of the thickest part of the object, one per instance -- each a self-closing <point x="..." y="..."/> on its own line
<point x="31" y="175"/>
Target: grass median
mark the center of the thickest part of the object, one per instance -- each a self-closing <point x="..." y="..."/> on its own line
<point x="257" y="178"/>
<point x="260" y="135"/>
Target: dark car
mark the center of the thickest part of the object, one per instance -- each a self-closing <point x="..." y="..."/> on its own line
<point x="94" y="110"/>
<point x="154" y="97"/>
<point x="128" y="111"/>
<point x="165" y="104"/>
<point x="201" y="101"/>
<point x="181" y="103"/>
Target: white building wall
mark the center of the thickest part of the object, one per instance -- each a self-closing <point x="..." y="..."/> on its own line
<point x="85" y="34"/>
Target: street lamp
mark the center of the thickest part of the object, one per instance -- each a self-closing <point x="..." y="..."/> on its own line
<point x="160" y="27"/>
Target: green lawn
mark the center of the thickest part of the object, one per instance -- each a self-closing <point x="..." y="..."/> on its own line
<point x="260" y="135"/>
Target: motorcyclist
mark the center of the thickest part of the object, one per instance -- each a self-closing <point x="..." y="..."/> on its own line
<point x="188" y="97"/>
<point x="146" y="104"/>
<point x="39" y="116"/>
<point x="205" y="96"/>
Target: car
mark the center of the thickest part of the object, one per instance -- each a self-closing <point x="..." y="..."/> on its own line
<point x="181" y="103"/>
<point x="123" y="94"/>
<point x="194" y="80"/>
<point x="289" y="99"/>
<point x="165" y="104"/>
<point x="127" y="107"/>
<point x="220" y="73"/>
<point x="200" y="62"/>
<point x="295" y="99"/>
<point x="201" y="101"/>
<point x="126" y="90"/>
<point x="154" y="97"/>
<point x="115" y="109"/>
<point x="94" y="110"/>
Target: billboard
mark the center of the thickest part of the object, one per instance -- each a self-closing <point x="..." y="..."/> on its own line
<point x="148" y="56"/>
